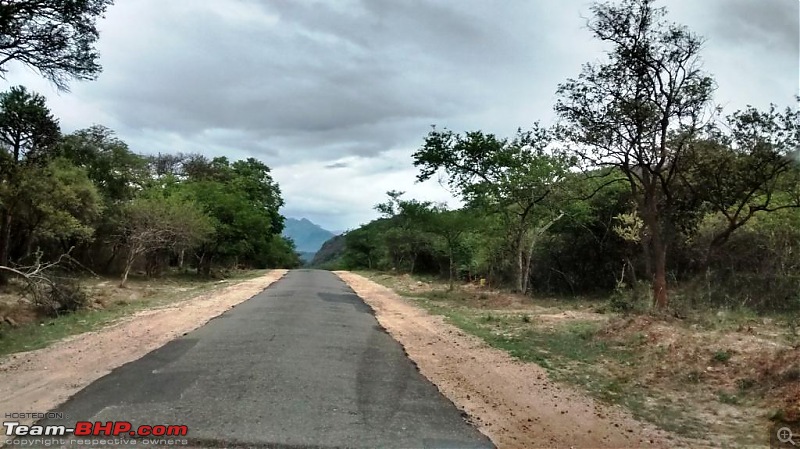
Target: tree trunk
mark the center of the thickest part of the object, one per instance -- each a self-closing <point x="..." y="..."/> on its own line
<point x="27" y="246"/>
<point x="520" y="262"/>
<point x="529" y="257"/>
<point x="630" y="272"/>
<point x="206" y="264"/>
<point x="110" y="261"/>
<point x="452" y="282"/>
<point x="658" y="253"/>
<point x="128" y="264"/>
<point x="527" y="274"/>
<point x="660" y="297"/>
<point x="5" y="240"/>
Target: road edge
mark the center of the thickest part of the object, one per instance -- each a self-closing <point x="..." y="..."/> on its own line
<point x="485" y="383"/>
<point x="38" y="381"/>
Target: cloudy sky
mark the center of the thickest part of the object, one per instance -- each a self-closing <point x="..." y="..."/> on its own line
<point x="335" y="95"/>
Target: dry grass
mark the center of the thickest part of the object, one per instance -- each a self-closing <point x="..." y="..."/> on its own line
<point x="21" y="329"/>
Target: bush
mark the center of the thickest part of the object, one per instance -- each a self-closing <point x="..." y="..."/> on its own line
<point x="628" y="300"/>
<point x="60" y="297"/>
<point x="721" y="356"/>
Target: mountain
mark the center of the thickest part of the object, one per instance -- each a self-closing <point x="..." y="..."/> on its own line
<point x="307" y="236"/>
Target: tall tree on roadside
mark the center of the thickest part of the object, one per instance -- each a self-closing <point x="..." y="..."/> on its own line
<point x="54" y="37"/>
<point x="638" y="110"/>
<point x="450" y="225"/>
<point x="118" y="173"/>
<point x="512" y="177"/>
<point x="28" y="132"/>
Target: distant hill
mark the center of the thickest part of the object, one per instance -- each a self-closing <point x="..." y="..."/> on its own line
<point x="307" y="236"/>
<point x="330" y="253"/>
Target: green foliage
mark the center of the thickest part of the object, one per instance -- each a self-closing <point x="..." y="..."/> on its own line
<point x="28" y="130"/>
<point x="115" y="170"/>
<point x="242" y="202"/>
<point x="517" y="179"/>
<point x="89" y="192"/>
<point x="721" y="356"/>
<point x="57" y="202"/>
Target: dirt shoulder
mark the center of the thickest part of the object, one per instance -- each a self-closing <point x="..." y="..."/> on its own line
<point x="512" y="402"/>
<point x="37" y="381"/>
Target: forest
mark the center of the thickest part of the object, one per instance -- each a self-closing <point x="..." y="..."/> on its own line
<point x="84" y="203"/>
<point x="644" y="190"/>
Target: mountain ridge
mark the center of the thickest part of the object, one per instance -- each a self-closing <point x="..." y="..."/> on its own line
<point x="308" y="236"/>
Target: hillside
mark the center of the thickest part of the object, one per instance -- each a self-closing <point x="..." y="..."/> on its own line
<point x="308" y="237"/>
<point x="331" y="251"/>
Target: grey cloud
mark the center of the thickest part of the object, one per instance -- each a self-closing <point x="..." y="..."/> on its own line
<point x="337" y="165"/>
<point x="771" y="23"/>
<point x="318" y="71"/>
<point x="324" y="80"/>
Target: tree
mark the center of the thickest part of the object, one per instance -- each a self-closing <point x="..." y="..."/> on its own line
<point x="252" y="177"/>
<point x="450" y="225"/>
<point x="243" y="202"/>
<point x="54" y="37"/>
<point x="638" y="111"/>
<point x="28" y="132"/>
<point x="406" y="239"/>
<point x="363" y="246"/>
<point x="57" y="204"/>
<point x="747" y="167"/>
<point x="159" y="223"/>
<point x="514" y="178"/>
<point x="117" y="172"/>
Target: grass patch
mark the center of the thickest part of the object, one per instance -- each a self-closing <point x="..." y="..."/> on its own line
<point x="154" y="293"/>
<point x="570" y="350"/>
<point x="571" y="353"/>
<point x="692" y="370"/>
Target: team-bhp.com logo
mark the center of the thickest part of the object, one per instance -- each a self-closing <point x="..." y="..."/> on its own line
<point x="95" y="429"/>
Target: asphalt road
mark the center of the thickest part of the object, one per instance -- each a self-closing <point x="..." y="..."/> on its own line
<point x="302" y="364"/>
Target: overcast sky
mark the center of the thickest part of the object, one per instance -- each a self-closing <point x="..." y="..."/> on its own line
<point x="335" y="95"/>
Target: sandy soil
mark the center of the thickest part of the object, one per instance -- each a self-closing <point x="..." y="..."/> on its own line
<point x="37" y="381"/>
<point x="513" y="403"/>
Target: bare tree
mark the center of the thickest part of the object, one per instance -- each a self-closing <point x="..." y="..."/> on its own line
<point x="160" y="224"/>
<point x="47" y="292"/>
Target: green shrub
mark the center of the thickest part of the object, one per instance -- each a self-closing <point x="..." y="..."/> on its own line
<point x="721" y="356"/>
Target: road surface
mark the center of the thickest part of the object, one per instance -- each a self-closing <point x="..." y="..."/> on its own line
<point x="302" y="364"/>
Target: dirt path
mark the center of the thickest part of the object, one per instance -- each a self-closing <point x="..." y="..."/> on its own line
<point x="512" y="402"/>
<point x="37" y="381"/>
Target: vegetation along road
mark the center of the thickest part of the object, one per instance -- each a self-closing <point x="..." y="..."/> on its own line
<point x="620" y="270"/>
